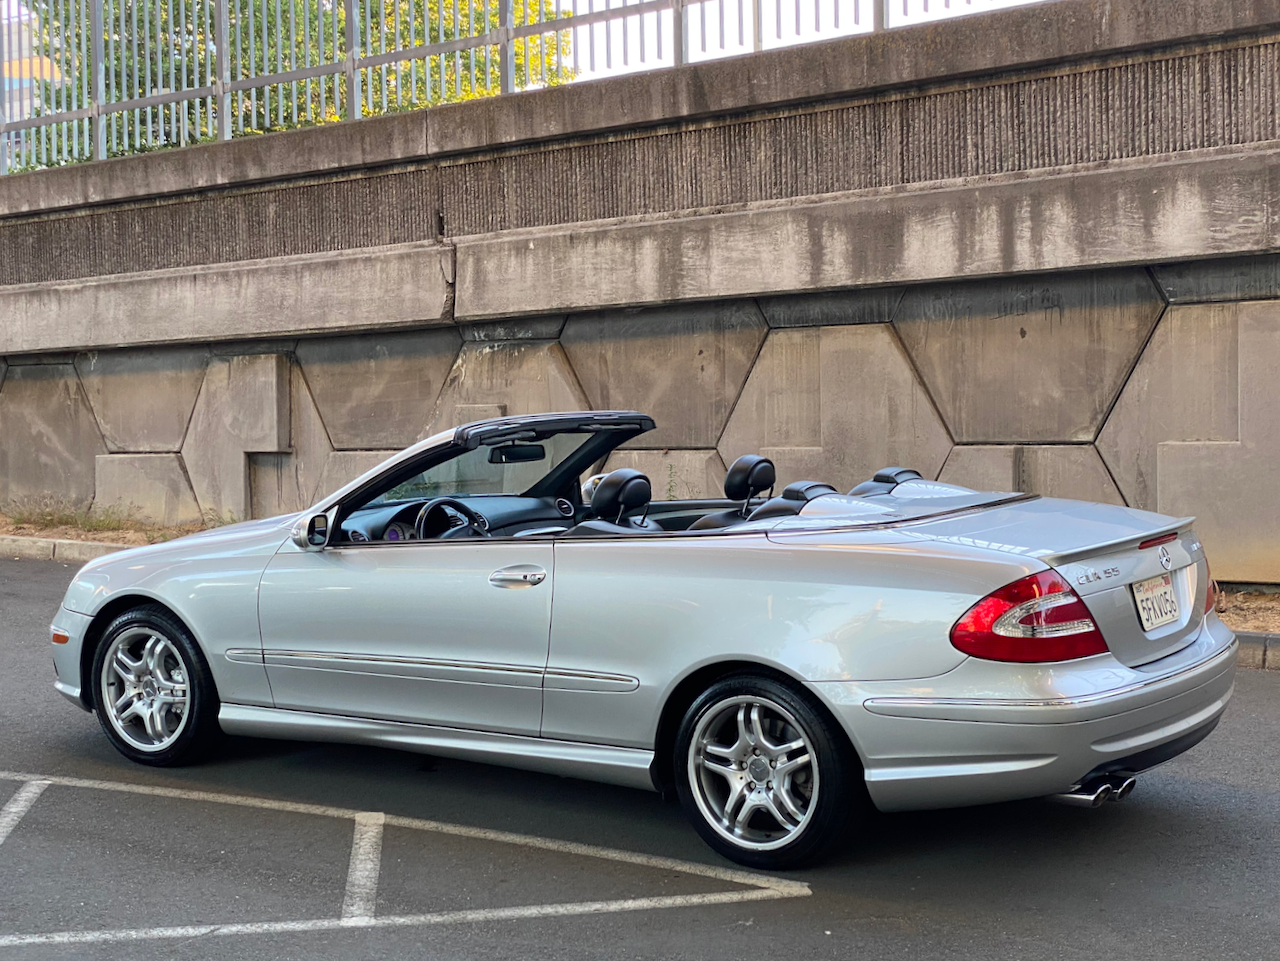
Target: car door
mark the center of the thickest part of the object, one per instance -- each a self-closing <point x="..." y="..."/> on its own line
<point x="447" y="632"/>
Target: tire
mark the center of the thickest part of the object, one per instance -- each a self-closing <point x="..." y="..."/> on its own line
<point x="731" y="745"/>
<point x="152" y="690"/>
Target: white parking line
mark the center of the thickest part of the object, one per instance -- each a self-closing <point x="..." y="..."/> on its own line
<point x="362" y="876"/>
<point x="396" y="921"/>
<point x="366" y="863"/>
<point x="19" y="805"/>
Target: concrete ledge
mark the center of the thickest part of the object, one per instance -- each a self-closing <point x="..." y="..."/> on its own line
<point x="1210" y="203"/>
<point x="1022" y="38"/>
<point x="352" y="290"/>
<point x="297" y="153"/>
<point x="55" y="549"/>
<point x="1260" y="651"/>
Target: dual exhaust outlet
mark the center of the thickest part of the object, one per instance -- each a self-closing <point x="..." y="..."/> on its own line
<point x="1098" y="790"/>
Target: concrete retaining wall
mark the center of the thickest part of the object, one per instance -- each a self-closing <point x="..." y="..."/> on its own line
<point x="1087" y="384"/>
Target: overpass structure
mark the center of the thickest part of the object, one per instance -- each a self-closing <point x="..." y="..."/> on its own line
<point x="1033" y="250"/>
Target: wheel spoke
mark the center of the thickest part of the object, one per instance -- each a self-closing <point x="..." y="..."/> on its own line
<point x="737" y="794"/>
<point x="770" y="805"/>
<point x="127" y="668"/>
<point x="749" y="807"/>
<point x="761" y="739"/>
<point x="174" y="687"/>
<point x="782" y="750"/>
<point x="744" y="731"/>
<point x="731" y="753"/>
<point x="787" y="767"/>
<point x="153" y="654"/>
<point x="783" y="794"/>
<point x="728" y="771"/>
<point x="153" y="719"/>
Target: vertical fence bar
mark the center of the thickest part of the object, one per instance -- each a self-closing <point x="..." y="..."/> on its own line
<point x="98" y="68"/>
<point x="4" y="91"/>
<point x="506" y="52"/>
<point x="879" y="15"/>
<point x="222" y="37"/>
<point x="355" y="102"/>
<point x="680" y="32"/>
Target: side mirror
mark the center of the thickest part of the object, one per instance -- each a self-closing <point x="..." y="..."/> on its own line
<point x="311" y="532"/>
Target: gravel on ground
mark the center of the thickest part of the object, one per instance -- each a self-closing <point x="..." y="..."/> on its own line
<point x="1252" y="611"/>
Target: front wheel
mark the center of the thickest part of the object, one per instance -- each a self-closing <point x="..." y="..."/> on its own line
<point x="154" y="695"/>
<point x="763" y="776"/>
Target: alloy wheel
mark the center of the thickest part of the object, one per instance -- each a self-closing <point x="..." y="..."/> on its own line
<point x="751" y="768"/>
<point x="146" y="694"/>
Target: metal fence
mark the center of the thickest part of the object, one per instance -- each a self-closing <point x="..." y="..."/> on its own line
<point x="89" y="79"/>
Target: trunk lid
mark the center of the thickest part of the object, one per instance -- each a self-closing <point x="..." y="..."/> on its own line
<point x="1103" y="551"/>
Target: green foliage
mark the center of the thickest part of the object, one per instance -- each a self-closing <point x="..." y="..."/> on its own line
<point x="156" y="46"/>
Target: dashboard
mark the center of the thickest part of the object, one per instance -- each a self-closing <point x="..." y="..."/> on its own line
<point x="499" y="515"/>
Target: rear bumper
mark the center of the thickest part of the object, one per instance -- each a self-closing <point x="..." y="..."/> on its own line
<point x="989" y="732"/>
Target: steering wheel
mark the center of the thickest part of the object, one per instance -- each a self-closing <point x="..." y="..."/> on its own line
<point x="475" y="525"/>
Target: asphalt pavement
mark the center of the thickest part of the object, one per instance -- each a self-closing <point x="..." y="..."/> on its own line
<point x="265" y="850"/>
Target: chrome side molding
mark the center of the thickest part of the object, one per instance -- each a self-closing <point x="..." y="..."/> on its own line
<point x="628" y="767"/>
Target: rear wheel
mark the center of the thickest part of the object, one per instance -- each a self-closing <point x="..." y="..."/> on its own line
<point x="763" y="776"/>
<point x="154" y="695"/>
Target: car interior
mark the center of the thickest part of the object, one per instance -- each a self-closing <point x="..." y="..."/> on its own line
<point x="525" y="479"/>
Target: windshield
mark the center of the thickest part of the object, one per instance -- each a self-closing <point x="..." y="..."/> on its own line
<point x="506" y="469"/>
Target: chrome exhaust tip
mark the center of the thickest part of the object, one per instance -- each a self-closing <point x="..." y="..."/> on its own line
<point x="1122" y="787"/>
<point x="1092" y="794"/>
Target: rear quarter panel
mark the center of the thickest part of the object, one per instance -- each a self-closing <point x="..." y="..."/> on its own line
<point x="871" y="605"/>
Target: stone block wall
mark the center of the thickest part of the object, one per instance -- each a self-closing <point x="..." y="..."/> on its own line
<point x="1147" y="387"/>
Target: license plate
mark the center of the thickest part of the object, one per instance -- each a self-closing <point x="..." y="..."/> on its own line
<point x="1157" y="603"/>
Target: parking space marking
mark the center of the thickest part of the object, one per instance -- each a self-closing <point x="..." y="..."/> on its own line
<point x="365" y="865"/>
<point x="19" y="805"/>
<point x="530" y="912"/>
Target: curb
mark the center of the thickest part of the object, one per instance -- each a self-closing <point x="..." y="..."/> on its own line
<point x="55" y="549"/>
<point x="1259" y="651"/>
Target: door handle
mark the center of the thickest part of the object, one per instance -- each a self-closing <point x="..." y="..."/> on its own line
<point x="522" y="575"/>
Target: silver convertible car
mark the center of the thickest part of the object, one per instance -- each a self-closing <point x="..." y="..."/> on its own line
<point x="775" y="661"/>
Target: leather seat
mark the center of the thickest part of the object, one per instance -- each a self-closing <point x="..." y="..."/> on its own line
<point x="623" y="490"/>
<point x="749" y="475"/>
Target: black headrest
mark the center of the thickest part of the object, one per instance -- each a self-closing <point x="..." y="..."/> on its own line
<point x="807" y="490"/>
<point x="895" y="475"/>
<point x="749" y="475"/>
<point x="620" y="491"/>
<point x="886" y="479"/>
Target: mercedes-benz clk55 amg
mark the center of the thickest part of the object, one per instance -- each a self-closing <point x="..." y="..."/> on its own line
<point x="775" y="659"/>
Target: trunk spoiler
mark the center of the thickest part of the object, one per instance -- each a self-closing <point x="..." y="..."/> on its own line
<point x="1108" y="547"/>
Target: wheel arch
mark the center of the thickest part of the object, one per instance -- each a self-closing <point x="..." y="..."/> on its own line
<point x="687" y="690"/>
<point x="109" y="611"/>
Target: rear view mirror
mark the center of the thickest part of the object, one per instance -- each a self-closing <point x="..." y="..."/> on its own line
<point x="517" y="454"/>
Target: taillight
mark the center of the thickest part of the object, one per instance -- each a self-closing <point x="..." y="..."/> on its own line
<point x="1211" y="592"/>
<point x="1036" y="619"/>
